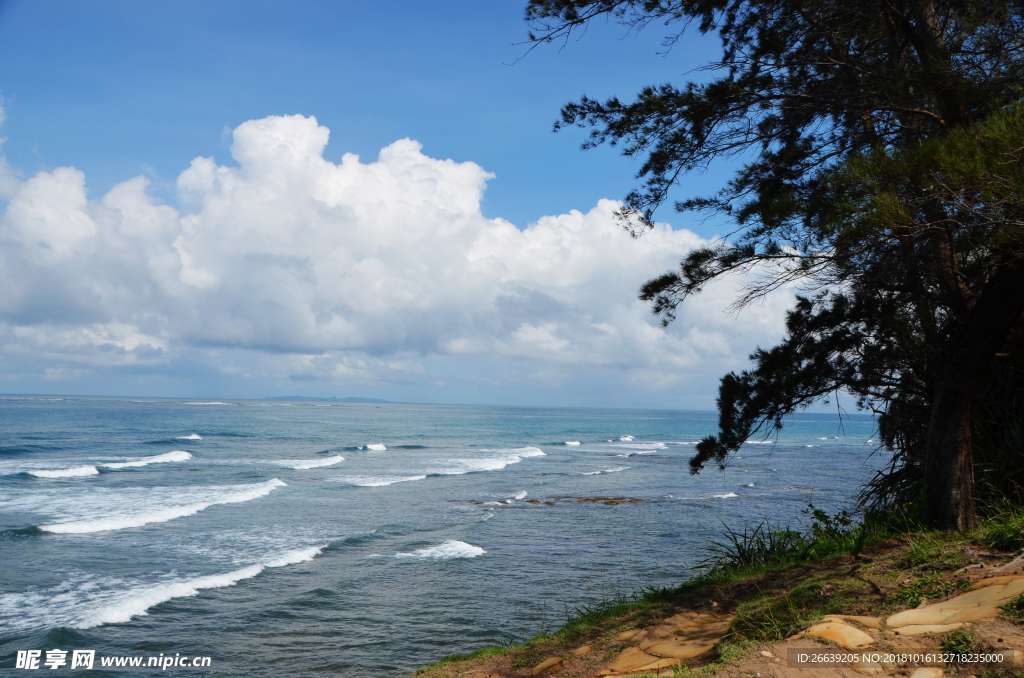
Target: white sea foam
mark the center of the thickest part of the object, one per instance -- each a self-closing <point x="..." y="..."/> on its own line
<point x="750" y="484"/>
<point x="103" y="509"/>
<point x="487" y="460"/>
<point x="74" y="472"/>
<point x="642" y="446"/>
<point x="134" y="603"/>
<point x="190" y="436"/>
<point x="303" y="464"/>
<point x="626" y="438"/>
<point x="615" y="469"/>
<point x="294" y="557"/>
<point x="376" y="447"/>
<point x="177" y="455"/>
<point x="725" y="496"/>
<point x="84" y="601"/>
<point x="373" y="481"/>
<point x="447" y="550"/>
<point x="758" y="442"/>
<point x="576" y="442"/>
<point x="520" y="495"/>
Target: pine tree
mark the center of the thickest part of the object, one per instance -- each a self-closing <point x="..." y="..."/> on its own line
<point x="888" y="143"/>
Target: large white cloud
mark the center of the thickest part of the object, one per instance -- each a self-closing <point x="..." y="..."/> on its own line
<point x="292" y="268"/>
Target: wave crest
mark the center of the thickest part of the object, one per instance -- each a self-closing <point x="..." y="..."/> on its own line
<point x="74" y="472"/>
<point x="177" y="455"/>
<point x="446" y="551"/>
<point x="137" y="603"/>
<point x="303" y="464"/>
<point x="373" y="481"/>
<point x="104" y="523"/>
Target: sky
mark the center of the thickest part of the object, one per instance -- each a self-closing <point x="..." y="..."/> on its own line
<point x="251" y="199"/>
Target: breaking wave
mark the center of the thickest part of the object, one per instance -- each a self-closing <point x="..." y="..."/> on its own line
<point x="103" y="509"/>
<point x="177" y="455"/>
<point x="487" y="460"/>
<point x="73" y="472"/>
<point x="446" y="551"/>
<point x="373" y="481"/>
<point x="303" y="464"/>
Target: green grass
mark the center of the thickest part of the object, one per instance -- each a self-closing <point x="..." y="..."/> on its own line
<point x="962" y="641"/>
<point x="926" y="587"/>
<point x="1013" y="611"/>
<point x="459" y="658"/>
<point x="766" y="546"/>
<point x="1005" y="529"/>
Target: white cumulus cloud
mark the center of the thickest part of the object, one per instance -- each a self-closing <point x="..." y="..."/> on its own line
<point x="289" y="268"/>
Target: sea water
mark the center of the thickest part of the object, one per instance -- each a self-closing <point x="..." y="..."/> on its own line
<point x="319" y="538"/>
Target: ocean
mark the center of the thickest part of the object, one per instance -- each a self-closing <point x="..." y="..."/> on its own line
<point x="362" y="539"/>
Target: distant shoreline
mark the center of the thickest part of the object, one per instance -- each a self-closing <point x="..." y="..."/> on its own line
<point x="332" y="399"/>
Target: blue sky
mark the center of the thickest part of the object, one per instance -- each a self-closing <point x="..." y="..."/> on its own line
<point x="119" y="90"/>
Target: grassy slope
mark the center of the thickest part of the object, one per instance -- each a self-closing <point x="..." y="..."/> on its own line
<point x="777" y="583"/>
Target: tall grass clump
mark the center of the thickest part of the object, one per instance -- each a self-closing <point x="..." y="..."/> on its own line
<point x="769" y="546"/>
<point x="1003" y="528"/>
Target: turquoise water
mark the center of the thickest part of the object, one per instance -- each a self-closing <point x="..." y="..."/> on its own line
<point x="362" y="539"/>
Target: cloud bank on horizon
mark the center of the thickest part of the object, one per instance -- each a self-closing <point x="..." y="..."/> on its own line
<point x="292" y="270"/>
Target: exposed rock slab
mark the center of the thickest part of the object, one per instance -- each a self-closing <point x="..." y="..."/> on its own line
<point x="676" y="649"/>
<point x="628" y="634"/>
<point x="870" y="622"/>
<point x="1000" y="580"/>
<point x="1011" y="658"/>
<point x="547" y="666"/>
<point x="982" y="603"/>
<point x="681" y="636"/>
<point x="630" y="660"/>
<point x="868" y="668"/>
<point x="839" y="632"/>
<point x="921" y="629"/>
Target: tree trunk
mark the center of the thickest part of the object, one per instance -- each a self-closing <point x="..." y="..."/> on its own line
<point x="949" y="470"/>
